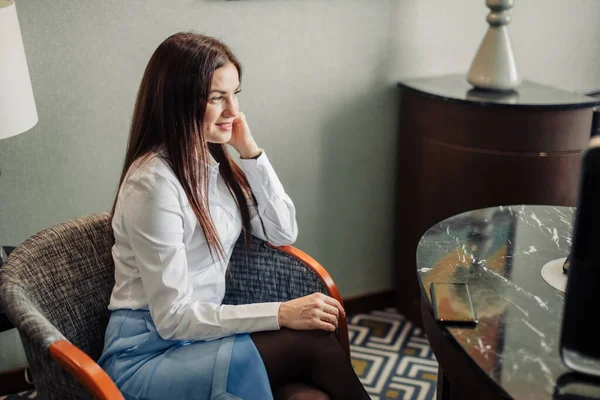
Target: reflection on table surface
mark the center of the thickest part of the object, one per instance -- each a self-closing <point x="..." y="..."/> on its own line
<point x="499" y="252"/>
<point x="574" y="386"/>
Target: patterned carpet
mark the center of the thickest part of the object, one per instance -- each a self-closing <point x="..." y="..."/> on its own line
<point x="391" y="356"/>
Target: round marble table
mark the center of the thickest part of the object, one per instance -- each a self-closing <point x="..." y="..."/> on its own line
<point x="499" y="252"/>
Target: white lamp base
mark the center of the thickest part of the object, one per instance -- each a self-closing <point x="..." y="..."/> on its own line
<point x="494" y="66"/>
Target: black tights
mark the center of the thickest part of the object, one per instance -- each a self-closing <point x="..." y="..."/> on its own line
<point x="299" y="362"/>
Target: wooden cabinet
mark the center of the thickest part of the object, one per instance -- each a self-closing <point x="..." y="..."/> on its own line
<point x="463" y="149"/>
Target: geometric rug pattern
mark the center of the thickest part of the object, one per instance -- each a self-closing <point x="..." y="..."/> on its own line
<point x="390" y="355"/>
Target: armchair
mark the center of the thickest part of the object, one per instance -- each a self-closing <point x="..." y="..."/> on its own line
<point x="55" y="288"/>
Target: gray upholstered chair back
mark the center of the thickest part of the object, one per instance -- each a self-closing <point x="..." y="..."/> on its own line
<point x="57" y="285"/>
<point x="260" y="273"/>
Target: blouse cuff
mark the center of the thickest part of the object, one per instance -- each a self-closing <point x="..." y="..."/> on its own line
<point x="262" y="177"/>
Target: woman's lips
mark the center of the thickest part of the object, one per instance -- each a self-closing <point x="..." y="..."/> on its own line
<point x="225" y="127"/>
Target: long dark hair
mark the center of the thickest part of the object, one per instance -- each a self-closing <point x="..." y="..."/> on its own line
<point x="169" y="110"/>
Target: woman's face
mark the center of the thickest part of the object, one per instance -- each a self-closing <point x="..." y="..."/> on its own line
<point x="222" y="107"/>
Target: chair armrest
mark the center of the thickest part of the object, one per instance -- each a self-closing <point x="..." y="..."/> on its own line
<point x="42" y="342"/>
<point x="85" y="370"/>
<point x="329" y="283"/>
<point x="24" y="313"/>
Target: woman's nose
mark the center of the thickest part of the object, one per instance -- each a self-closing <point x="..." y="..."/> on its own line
<point x="232" y="109"/>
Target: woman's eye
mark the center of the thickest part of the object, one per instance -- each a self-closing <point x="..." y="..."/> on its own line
<point x="216" y="99"/>
<point x="238" y="91"/>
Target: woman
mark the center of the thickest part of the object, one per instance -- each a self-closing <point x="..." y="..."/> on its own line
<point x="182" y="203"/>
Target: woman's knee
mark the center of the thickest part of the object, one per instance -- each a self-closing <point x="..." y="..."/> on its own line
<point x="314" y="335"/>
<point x="312" y="338"/>
<point x="317" y="344"/>
<point x="316" y="395"/>
<point x="300" y="391"/>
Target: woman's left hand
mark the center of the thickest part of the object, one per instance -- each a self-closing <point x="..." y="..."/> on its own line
<point x="241" y="138"/>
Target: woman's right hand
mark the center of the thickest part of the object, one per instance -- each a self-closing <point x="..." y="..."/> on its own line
<point x="315" y="311"/>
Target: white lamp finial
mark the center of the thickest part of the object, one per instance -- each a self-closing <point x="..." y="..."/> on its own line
<point x="17" y="105"/>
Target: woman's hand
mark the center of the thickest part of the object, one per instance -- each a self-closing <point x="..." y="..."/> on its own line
<point x="315" y="311"/>
<point x="241" y="138"/>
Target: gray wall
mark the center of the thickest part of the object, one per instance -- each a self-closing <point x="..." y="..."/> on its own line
<point x="318" y="91"/>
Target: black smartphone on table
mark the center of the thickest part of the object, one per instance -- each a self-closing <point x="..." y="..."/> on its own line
<point x="452" y="303"/>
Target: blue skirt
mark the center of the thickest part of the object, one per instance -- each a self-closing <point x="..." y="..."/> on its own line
<point x="146" y="366"/>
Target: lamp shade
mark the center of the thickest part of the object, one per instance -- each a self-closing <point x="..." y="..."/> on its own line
<point x="17" y="105"/>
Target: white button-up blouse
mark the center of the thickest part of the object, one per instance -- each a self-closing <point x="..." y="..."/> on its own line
<point x="162" y="259"/>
